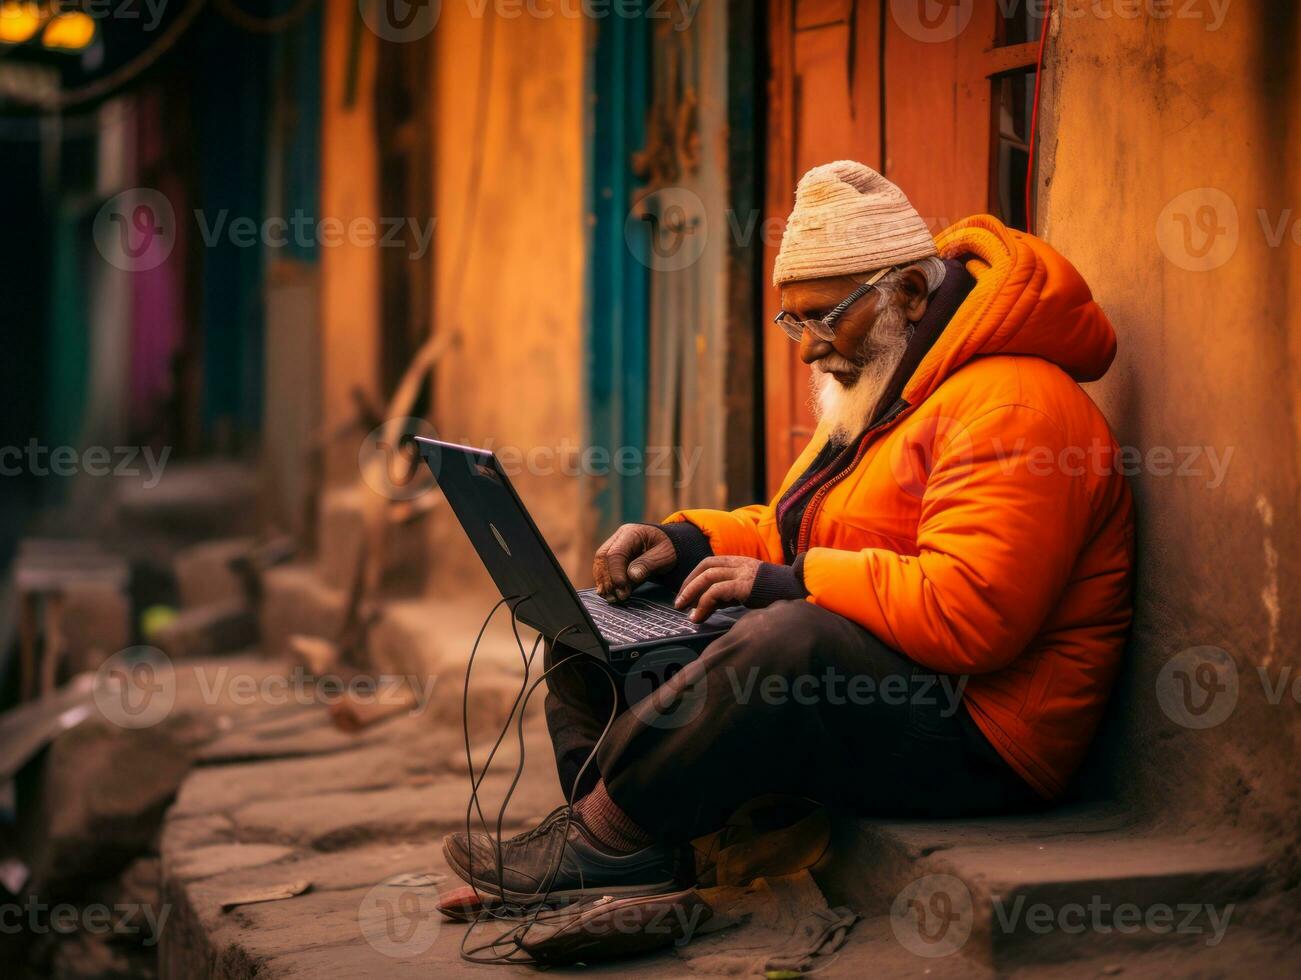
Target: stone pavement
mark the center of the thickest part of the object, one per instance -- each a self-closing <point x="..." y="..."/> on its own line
<point x="283" y="800"/>
<point x="292" y="800"/>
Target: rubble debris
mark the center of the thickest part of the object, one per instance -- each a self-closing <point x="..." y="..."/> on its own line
<point x="355" y="711"/>
<point x="272" y="893"/>
<point x="72" y="606"/>
<point x="205" y="573"/>
<point x="28" y="728"/>
<point x="210" y="630"/>
<point x="315" y="654"/>
<point x="415" y="880"/>
<point x="13" y="875"/>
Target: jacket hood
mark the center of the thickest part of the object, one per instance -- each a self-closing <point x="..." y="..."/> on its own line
<point x="1028" y="300"/>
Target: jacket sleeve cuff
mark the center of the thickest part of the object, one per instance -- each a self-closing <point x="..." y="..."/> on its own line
<point x="692" y="547"/>
<point x="777" y="582"/>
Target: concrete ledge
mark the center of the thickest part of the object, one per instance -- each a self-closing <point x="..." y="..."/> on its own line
<point x="341" y="532"/>
<point x="295" y="599"/>
<point x="210" y="630"/>
<point x="203" y="572"/>
<point x="1044" y="888"/>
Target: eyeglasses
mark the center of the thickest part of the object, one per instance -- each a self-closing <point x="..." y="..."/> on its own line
<point x="825" y="328"/>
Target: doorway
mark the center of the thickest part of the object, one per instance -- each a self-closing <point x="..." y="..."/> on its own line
<point x="935" y="94"/>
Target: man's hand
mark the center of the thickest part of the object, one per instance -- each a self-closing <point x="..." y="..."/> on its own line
<point x="633" y="554"/>
<point x="723" y="580"/>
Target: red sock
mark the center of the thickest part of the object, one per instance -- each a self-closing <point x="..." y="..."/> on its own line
<point x="610" y="825"/>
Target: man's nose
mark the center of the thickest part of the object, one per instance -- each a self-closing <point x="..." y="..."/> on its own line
<point x="812" y="347"/>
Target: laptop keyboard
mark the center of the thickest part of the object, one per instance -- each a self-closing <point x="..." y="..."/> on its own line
<point x="636" y="620"/>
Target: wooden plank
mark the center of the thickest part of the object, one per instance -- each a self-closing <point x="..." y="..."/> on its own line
<point x="938" y="118"/>
<point x="1011" y="57"/>
<point x="824" y="105"/>
<point x="618" y="303"/>
<point x="816" y="13"/>
<point x="779" y="188"/>
<point x="744" y="331"/>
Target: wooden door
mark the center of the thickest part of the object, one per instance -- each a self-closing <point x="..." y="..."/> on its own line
<point x="824" y="104"/>
<point x="904" y="86"/>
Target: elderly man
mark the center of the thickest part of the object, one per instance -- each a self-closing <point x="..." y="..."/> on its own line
<point x="941" y="585"/>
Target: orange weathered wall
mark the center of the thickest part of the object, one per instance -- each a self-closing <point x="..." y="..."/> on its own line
<point x="349" y="271"/>
<point x="509" y="251"/>
<point x="1147" y="119"/>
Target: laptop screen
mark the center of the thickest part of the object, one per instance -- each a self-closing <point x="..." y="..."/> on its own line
<point x="508" y="542"/>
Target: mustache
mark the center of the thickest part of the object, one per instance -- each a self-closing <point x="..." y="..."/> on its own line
<point x="834" y="362"/>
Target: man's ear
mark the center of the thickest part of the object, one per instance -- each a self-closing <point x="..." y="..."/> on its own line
<point x="915" y="297"/>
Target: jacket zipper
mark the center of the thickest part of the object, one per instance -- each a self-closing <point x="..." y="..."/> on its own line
<point x="810" y="512"/>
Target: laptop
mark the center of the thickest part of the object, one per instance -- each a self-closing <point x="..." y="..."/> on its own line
<point x="526" y="572"/>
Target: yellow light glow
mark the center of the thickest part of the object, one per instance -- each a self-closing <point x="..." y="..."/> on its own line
<point x="19" y="21"/>
<point x="69" y="32"/>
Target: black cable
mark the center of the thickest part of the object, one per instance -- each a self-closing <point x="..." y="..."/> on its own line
<point x="124" y="74"/>
<point x="518" y="711"/>
<point x="257" y="24"/>
<point x="515" y="935"/>
<point x="473" y="803"/>
<point x="534" y="907"/>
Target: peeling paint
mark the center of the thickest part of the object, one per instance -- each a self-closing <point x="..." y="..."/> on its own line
<point x="1269" y="594"/>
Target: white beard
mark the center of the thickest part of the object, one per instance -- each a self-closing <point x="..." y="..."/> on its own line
<point x="846" y="411"/>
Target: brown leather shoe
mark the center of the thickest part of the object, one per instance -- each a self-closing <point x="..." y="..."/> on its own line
<point x="560" y="860"/>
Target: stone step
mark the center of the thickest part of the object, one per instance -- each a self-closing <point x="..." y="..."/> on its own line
<point x="341" y="533"/>
<point x="204" y="574"/>
<point x="296" y="599"/>
<point x="430" y="640"/>
<point x="1016" y="891"/>
<point x="223" y="626"/>
<point x="193" y="500"/>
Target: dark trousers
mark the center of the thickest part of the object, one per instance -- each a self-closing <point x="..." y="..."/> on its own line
<point x="793" y="700"/>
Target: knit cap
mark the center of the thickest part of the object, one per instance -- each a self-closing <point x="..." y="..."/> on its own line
<point x="849" y="219"/>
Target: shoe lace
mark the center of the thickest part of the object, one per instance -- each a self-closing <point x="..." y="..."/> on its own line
<point x="546" y="826"/>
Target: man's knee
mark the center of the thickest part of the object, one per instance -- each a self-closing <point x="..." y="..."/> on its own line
<point x="788" y="637"/>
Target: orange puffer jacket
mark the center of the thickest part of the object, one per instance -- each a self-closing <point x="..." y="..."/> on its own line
<point x="986" y="529"/>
